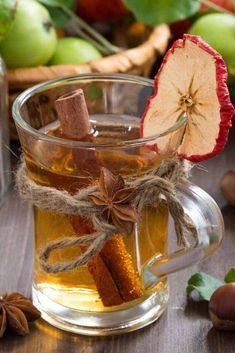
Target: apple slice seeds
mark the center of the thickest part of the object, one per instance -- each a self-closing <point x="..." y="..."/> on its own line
<point x="191" y="80"/>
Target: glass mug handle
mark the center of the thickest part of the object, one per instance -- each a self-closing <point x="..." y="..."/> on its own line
<point x="208" y="219"/>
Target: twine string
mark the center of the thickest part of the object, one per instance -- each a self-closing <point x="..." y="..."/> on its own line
<point x="150" y="188"/>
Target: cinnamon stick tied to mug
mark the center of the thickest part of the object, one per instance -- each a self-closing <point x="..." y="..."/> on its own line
<point x="112" y="269"/>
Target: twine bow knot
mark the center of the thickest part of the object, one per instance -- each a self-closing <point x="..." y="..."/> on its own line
<point x="149" y="191"/>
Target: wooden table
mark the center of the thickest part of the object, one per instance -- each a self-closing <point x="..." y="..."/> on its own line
<point x="184" y="327"/>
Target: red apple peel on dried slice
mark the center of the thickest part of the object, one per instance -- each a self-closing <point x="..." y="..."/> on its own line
<point x="192" y="81"/>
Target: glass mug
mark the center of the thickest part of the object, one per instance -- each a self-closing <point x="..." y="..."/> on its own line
<point x="75" y="300"/>
<point x="4" y="135"/>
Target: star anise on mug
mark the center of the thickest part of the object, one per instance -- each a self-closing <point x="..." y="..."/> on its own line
<point x="116" y="200"/>
<point x="15" y="312"/>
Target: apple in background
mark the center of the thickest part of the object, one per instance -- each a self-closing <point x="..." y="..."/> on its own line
<point x="226" y="4"/>
<point x="74" y="51"/>
<point x="31" y="40"/>
<point x="7" y="15"/>
<point x="218" y="30"/>
<point x="101" y="11"/>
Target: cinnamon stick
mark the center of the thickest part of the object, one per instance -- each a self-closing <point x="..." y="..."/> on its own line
<point x="75" y="124"/>
<point x="112" y="270"/>
<point x="73" y="115"/>
<point x="120" y="264"/>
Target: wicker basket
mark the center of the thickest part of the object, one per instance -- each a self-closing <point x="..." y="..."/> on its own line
<point x="136" y="61"/>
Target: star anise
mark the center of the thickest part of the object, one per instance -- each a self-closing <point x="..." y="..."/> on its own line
<point x="116" y="200"/>
<point x="15" y="312"/>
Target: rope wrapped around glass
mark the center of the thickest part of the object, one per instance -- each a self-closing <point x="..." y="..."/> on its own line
<point x="104" y="278"/>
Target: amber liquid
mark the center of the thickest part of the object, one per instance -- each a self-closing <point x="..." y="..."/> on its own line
<point x="77" y="289"/>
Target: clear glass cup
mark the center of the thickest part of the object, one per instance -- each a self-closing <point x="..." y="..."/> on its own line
<point x="77" y="300"/>
<point x="4" y="134"/>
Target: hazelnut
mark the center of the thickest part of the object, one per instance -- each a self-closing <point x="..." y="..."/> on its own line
<point x="228" y="187"/>
<point x="222" y="307"/>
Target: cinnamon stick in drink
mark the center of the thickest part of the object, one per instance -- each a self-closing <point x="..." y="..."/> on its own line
<point x="112" y="270"/>
<point x="75" y="125"/>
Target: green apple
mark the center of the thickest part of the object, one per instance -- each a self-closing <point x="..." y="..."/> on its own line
<point x="31" y="40"/>
<point x="7" y="15"/>
<point x="218" y="30"/>
<point x="74" y="51"/>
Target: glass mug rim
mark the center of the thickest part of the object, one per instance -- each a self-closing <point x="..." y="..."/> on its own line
<point x="132" y="79"/>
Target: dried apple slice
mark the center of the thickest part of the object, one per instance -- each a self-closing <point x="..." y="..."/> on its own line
<point x="191" y="80"/>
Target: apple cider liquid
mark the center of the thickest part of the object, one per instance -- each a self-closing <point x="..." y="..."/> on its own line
<point x="71" y="170"/>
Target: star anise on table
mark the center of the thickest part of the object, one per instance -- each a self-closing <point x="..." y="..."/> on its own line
<point x="15" y="312"/>
<point x="116" y="200"/>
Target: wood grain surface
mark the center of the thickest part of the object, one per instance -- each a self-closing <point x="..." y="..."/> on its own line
<point x="183" y="328"/>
